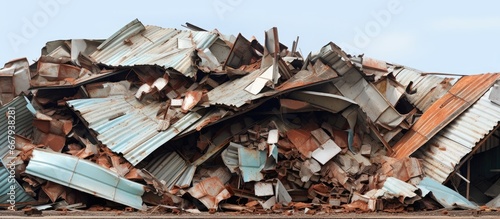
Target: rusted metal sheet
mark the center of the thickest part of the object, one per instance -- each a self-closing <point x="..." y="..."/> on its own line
<point x="241" y="53"/>
<point x="210" y="192"/>
<point x="445" y="151"/>
<point x="374" y="68"/>
<point x="56" y="75"/>
<point x="460" y="97"/>
<point x="14" y="79"/>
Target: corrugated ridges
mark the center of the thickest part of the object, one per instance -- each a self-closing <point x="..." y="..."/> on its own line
<point x="152" y="45"/>
<point x="23" y="118"/>
<point x="460" y="97"/>
<point x="445" y="150"/>
<point x="127" y="126"/>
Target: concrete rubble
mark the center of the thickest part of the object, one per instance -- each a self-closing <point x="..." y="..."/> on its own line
<point x="160" y="119"/>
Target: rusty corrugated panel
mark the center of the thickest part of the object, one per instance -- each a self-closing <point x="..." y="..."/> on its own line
<point x="460" y="97"/>
<point x="136" y="44"/>
<point x="441" y="155"/>
<point x="113" y="118"/>
<point x="429" y="88"/>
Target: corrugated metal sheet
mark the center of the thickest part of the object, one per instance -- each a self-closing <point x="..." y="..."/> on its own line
<point x="172" y="169"/>
<point x="460" y="97"/>
<point x="445" y="150"/>
<point x="24" y="121"/>
<point x="429" y="88"/>
<point x="398" y="188"/>
<point x="444" y="195"/>
<point x="234" y="94"/>
<point x="21" y="196"/>
<point x="352" y="85"/>
<point x="376" y="106"/>
<point x="85" y="176"/>
<point x="136" y="44"/>
<point x="128" y="126"/>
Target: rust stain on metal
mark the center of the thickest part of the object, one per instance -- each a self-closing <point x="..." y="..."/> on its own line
<point x="303" y="141"/>
<point x="460" y="97"/>
<point x="374" y="64"/>
<point x="210" y="192"/>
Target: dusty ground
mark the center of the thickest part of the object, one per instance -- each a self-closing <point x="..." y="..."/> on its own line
<point x="121" y="214"/>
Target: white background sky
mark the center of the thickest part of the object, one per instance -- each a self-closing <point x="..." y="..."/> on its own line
<point x="433" y="36"/>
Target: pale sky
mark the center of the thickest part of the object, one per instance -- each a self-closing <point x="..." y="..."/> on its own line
<point x="434" y="36"/>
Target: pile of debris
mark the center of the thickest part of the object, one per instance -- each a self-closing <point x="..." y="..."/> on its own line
<point x="161" y="119"/>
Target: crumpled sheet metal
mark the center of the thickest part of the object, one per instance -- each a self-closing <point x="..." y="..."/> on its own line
<point x="85" y="176"/>
<point x="136" y="44"/>
<point x="428" y="88"/>
<point x="113" y="118"/>
<point x="353" y="86"/>
<point x="444" y="195"/>
<point x="233" y="93"/>
<point x="14" y="79"/>
<point x="168" y="168"/>
<point x="458" y="99"/>
<point x="398" y="188"/>
<point x="210" y="192"/>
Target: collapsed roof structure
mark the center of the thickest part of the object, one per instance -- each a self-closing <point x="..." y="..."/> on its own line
<point x="195" y="119"/>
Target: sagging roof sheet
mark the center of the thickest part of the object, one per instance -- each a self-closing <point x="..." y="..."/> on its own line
<point x="445" y="150"/>
<point x="136" y="44"/>
<point x="85" y="176"/>
<point x="429" y="88"/>
<point x="460" y="97"/>
<point x="128" y="126"/>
